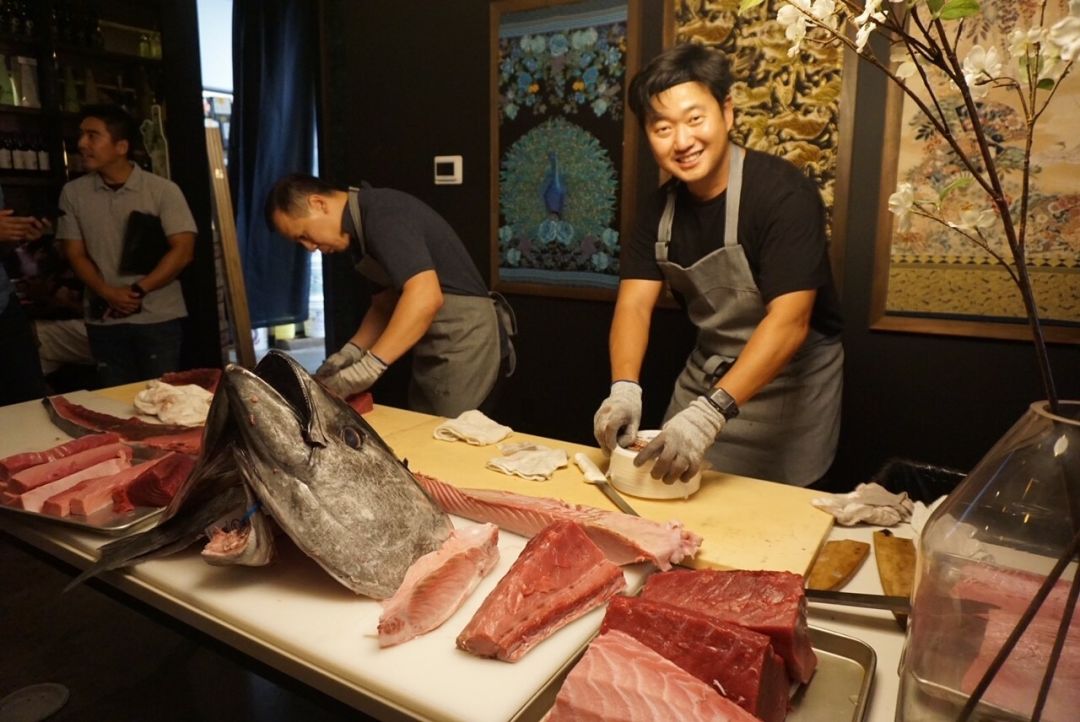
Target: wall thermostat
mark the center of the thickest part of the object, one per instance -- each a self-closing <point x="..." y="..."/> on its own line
<point x="448" y="170"/>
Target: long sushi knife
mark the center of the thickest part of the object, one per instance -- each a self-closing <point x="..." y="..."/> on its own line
<point x="593" y="475"/>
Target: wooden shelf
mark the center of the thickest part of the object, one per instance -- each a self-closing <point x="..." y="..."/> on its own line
<point x="27" y="178"/>
<point x="99" y="54"/>
<point x="19" y="110"/>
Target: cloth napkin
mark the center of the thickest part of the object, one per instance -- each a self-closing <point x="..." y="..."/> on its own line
<point x="472" y="427"/>
<point x="870" y="503"/>
<point x="185" y="405"/>
<point x="528" y="460"/>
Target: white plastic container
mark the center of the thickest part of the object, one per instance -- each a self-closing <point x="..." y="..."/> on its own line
<point x="637" y="480"/>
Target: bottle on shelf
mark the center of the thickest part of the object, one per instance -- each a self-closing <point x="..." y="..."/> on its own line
<point x="30" y="154"/>
<point x="18" y="161"/>
<point x="28" y="82"/>
<point x="7" y="87"/>
<point x="7" y="162"/>
<point x="144" y="46"/>
<point x="71" y="92"/>
<point x="155" y="45"/>
<point x="44" y="159"/>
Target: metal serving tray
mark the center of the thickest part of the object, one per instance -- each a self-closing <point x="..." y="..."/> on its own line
<point x="838" y="692"/>
<point x="105" y="521"/>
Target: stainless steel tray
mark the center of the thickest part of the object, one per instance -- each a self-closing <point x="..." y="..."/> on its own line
<point x="839" y="690"/>
<point x="105" y="521"/>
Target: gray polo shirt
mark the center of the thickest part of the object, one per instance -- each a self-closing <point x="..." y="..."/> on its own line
<point x="97" y="215"/>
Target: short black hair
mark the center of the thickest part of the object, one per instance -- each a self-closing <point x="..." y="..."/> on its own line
<point x="290" y="194"/>
<point x="685" y="63"/>
<point x="118" y="122"/>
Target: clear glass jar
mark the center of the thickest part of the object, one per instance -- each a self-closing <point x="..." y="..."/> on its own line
<point x="983" y="555"/>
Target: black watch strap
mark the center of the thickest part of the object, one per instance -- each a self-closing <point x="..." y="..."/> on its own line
<point x="723" y="402"/>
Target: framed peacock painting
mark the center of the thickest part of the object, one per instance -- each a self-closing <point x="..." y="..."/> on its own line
<point x="562" y="148"/>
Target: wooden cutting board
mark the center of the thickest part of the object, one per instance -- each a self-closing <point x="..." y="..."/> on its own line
<point x="837" y="563"/>
<point x="896" y="566"/>
<point x="746" y="523"/>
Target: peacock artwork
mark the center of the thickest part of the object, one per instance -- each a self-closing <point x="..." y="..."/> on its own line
<point x="560" y="79"/>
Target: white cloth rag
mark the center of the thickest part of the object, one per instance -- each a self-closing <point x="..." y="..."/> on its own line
<point x="472" y="427"/>
<point x="870" y="503"/>
<point x="528" y="460"/>
<point x="185" y="405"/>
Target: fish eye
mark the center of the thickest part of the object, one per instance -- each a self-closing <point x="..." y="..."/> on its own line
<point x="352" y="437"/>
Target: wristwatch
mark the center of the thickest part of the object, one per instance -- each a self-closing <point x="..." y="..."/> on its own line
<point x="138" y="290"/>
<point x="723" y="402"/>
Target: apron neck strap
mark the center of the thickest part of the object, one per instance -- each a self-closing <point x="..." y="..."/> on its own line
<point x="354" y="212"/>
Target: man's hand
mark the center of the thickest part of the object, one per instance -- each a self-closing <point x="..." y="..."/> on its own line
<point x="122" y="300"/>
<point x="680" y="447"/>
<point x="16" y="229"/>
<point x="358" y="376"/>
<point x="617" y="419"/>
<point x="349" y="354"/>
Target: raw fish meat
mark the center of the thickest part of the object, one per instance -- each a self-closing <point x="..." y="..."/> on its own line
<point x="79" y="421"/>
<point x="93" y="495"/>
<point x="17" y="462"/>
<point x="624" y="539"/>
<point x="772" y="603"/>
<point x="34" y="500"/>
<point x="207" y="378"/>
<point x="41" y="474"/>
<point x="621" y="680"/>
<point x="157" y="486"/>
<point x="559" y="576"/>
<point x="438" y="583"/>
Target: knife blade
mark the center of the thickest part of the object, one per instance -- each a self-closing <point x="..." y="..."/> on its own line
<point x="898" y="605"/>
<point x="594" y="476"/>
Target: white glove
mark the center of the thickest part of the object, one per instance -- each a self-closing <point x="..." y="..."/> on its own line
<point x="349" y="354"/>
<point x="617" y="419"/>
<point x="680" y="446"/>
<point x="357" y="377"/>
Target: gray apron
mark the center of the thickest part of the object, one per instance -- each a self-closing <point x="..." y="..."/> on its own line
<point x="788" y="431"/>
<point x="457" y="361"/>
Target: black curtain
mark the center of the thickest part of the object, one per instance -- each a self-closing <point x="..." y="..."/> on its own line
<point x="275" y="76"/>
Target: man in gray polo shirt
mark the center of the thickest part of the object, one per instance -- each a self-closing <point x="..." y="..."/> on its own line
<point x="132" y="320"/>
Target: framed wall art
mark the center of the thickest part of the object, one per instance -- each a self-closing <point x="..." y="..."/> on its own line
<point x="930" y="279"/>
<point x="563" y="148"/>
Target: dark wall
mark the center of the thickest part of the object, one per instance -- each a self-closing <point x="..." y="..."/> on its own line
<point x="401" y="87"/>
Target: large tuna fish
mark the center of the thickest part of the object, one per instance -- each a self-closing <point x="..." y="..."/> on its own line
<point x="323" y="474"/>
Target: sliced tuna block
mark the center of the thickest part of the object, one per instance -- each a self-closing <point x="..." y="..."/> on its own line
<point x="438" y="583"/>
<point x="741" y="664"/>
<point x="157" y="486"/>
<point x="772" y="603"/>
<point x="624" y="539"/>
<point x="34" y="500"/>
<point x="619" y="679"/>
<point x="17" y="462"/>
<point x="93" y="495"/>
<point x="559" y="576"/>
<point x="41" y="474"/>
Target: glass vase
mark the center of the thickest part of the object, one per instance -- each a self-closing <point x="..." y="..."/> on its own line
<point x="994" y="544"/>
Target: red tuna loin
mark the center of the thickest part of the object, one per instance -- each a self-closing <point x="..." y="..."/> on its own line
<point x="559" y="576"/>
<point x="35" y="499"/>
<point x="17" y="462"/>
<point x="438" y="583"/>
<point x="621" y="680"/>
<point x="93" y="495"/>
<point x="79" y="420"/>
<point x="740" y="663"/>
<point x="772" y="603"/>
<point x="50" y="471"/>
<point x="624" y="539"/>
<point x="206" y="378"/>
<point x="157" y="485"/>
<point x="362" y="402"/>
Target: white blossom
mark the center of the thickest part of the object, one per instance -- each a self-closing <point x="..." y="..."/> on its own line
<point x="1023" y="42"/>
<point x="792" y="17"/>
<point x="1066" y="33"/>
<point x="872" y="11"/>
<point x="901" y="58"/>
<point x="901" y="204"/>
<point x="862" y="35"/>
<point x="975" y="220"/>
<point x="981" y="66"/>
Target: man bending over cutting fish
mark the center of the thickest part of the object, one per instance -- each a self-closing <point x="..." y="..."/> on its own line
<point x="428" y="296"/>
<point x="739" y="237"/>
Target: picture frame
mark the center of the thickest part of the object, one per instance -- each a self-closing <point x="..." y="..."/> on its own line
<point x="563" y="144"/>
<point x="930" y="280"/>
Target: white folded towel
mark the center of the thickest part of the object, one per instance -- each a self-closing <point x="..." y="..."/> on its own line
<point x="473" y="427"/>
<point x="528" y="460"/>
<point x="870" y="503"/>
<point x="185" y="405"/>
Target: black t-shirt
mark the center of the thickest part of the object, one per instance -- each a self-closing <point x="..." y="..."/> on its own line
<point x="781" y="229"/>
<point x="406" y="236"/>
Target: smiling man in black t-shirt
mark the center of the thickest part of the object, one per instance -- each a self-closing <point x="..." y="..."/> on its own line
<point x="739" y="237"/>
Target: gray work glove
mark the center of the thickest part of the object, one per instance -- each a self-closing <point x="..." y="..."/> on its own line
<point x="349" y="354"/>
<point x="680" y="446"/>
<point x="617" y="419"/>
<point x="357" y="377"/>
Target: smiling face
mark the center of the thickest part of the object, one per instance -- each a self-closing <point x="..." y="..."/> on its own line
<point x="319" y="230"/>
<point x="687" y="130"/>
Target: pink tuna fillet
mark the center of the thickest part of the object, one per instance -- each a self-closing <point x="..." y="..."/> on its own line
<point x="17" y="462"/>
<point x="438" y="583"/>
<point x="771" y="603"/>
<point x="621" y="680"/>
<point x="624" y="539"/>
<point x="559" y="576"/>
<point x="36" y="476"/>
<point x="92" y="495"/>
<point x="34" y="500"/>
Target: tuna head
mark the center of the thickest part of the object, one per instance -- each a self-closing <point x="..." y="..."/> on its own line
<point x="328" y="479"/>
